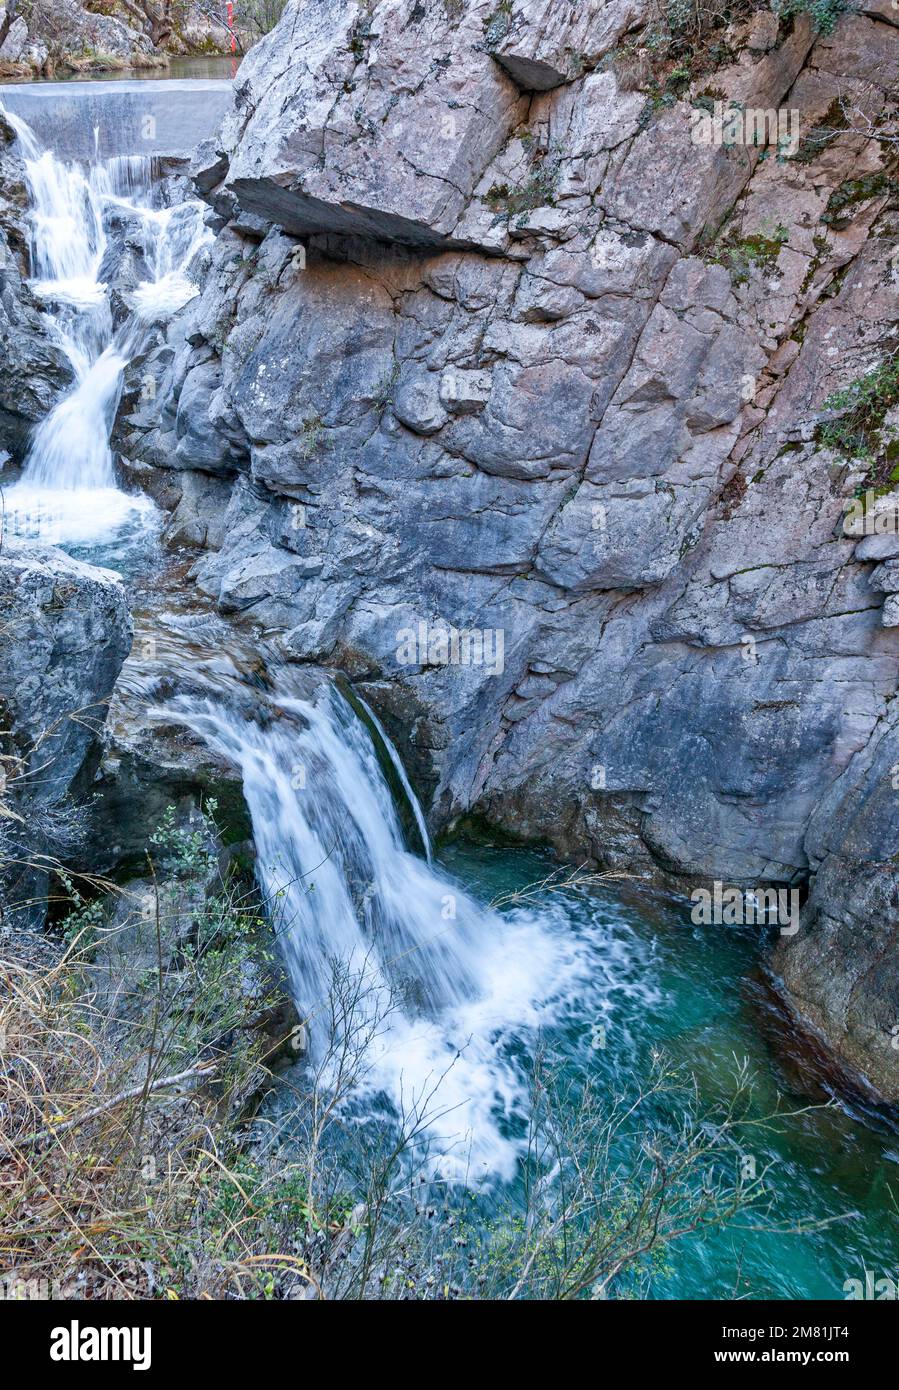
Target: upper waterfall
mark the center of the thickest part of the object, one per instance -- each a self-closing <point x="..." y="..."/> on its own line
<point x="68" y="492"/>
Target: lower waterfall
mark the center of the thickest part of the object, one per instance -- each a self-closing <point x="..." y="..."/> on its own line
<point x="458" y="986"/>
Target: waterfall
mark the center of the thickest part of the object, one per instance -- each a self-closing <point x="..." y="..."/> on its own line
<point x="322" y="812"/>
<point x="397" y="764"/>
<point x="68" y="491"/>
<point x="467" y="983"/>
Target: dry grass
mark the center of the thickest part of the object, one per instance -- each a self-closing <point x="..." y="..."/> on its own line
<point x="121" y="1110"/>
<point x="111" y="62"/>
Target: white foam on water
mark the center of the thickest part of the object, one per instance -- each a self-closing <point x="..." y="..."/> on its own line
<point x="155" y="299"/>
<point x="78" y="517"/>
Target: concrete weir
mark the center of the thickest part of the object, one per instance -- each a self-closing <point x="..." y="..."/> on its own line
<point x="97" y="120"/>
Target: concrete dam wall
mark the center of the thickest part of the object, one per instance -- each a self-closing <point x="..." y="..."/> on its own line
<point x="96" y="120"/>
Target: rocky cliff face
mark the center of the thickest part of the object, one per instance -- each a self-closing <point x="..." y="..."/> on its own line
<point x="493" y="342"/>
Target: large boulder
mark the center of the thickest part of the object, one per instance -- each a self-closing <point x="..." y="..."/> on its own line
<point x="381" y="121"/>
<point x="15" y="41"/>
<point x="61" y="29"/>
<point x="65" y="631"/>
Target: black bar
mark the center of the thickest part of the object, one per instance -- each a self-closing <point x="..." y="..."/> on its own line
<point x="676" y="1338"/>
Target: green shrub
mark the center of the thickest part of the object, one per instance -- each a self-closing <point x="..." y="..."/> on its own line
<point x="824" y="13"/>
<point x="858" y="432"/>
<point x="757" y="252"/>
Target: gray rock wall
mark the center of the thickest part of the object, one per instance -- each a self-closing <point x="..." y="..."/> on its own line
<point x="489" y="342"/>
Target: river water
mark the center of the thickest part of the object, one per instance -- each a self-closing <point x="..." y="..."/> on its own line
<point x="599" y="976"/>
<point x="212" y="67"/>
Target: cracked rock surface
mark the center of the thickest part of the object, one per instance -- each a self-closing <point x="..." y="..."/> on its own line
<point x="489" y="342"/>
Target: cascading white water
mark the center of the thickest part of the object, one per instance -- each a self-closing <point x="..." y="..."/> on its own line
<point x="406" y="785"/>
<point x="341" y="886"/>
<point x="68" y="492"/>
<point x="178" y="234"/>
<point x="322" y="810"/>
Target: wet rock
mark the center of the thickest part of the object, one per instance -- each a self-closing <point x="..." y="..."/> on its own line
<point x="198" y="519"/>
<point x="36" y="372"/>
<point x="64" y="634"/>
<point x="841" y="970"/>
<point x="208" y="437"/>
